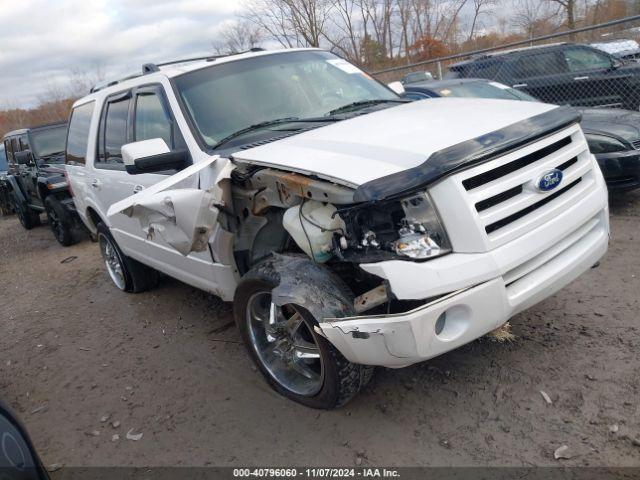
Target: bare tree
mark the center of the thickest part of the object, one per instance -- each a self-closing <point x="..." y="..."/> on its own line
<point x="480" y="7"/>
<point x="293" y="23"/>
<point x="569" y="7"/>
<point x="531" y="16"/>
<point x="238" y="36"/>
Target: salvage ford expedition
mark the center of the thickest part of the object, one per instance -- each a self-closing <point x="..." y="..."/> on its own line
<point x="350" y="228"/>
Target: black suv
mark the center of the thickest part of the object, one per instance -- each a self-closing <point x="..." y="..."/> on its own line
<point x="36" y="179"/>
<point x="564" y="73"/>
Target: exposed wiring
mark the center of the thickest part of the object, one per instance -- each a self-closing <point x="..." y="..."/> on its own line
<point x="322" y="229"/>
<point x="301" y="217"/>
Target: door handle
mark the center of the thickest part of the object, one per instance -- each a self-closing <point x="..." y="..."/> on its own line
<point x="138" y="189"/>
<point x="520" y="85"/>
<point x="577" y="79"/>
<point x="95" y="183"/>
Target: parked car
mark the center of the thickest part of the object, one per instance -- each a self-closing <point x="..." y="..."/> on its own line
<point x="621" y="49"/>
<point x="416" y="77"/>
<point x="36" y="180"/>
<point x="613" y="134"/>
<point x="350" y="228"/>
<point x="564" y="74"/>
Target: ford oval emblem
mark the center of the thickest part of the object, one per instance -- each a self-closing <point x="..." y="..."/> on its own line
<point x="549" y="180"/>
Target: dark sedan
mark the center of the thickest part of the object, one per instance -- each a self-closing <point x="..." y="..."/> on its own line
<point x="613" y="134"/>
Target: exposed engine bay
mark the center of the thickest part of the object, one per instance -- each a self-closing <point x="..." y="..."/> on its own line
<point x="272" y="211"/>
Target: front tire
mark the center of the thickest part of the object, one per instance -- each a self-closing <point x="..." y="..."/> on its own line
<point x="60" y="221"/>
<point x="296" y="361"/>
<point x="127" y="274"/>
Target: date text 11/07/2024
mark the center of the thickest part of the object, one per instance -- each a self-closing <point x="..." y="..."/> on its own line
<point x="368" y="472"/>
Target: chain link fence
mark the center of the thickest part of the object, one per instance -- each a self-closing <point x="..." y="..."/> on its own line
<point x="597" y="66"/>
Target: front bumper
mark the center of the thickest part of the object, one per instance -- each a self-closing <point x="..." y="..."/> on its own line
<point x="621" y="170"/>
<point x="470" y="312"/>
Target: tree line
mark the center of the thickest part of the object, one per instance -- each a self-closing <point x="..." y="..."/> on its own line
<point x="381" y="33"/>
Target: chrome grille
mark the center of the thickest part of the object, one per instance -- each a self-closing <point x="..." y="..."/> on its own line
<point x="636" y="144"/>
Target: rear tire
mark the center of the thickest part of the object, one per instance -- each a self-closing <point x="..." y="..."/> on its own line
<point x="60" y="221"/>
<point x="127" y="274"/>
<point x="326" y="379"/>
<point x="28" y="218"/>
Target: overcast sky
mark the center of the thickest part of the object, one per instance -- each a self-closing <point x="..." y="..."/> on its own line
<point x="43" y="41"/>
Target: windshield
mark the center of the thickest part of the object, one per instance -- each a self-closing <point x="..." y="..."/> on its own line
<point x="226" y="98"/>
<point x="49" y="141"/>
<point x="484" y="90"/>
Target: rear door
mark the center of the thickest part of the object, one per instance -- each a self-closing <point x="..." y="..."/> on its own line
<point x="596" y="82"/>
<point x="544" y="75"/>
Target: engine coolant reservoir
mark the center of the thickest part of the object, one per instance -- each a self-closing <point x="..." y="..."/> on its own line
<point x="319" y="223"/>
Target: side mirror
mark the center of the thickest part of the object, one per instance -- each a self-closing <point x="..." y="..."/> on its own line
<point x="24" y="157"/>
<point x="149" y="156"/>
<point x="397" y="87"/>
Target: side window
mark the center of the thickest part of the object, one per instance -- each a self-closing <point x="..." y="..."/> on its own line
<point x="486" y="69"/>
<point x="15" y="146"/>
<point x="8" y="151"/>
<point x="539" y="64"/>
<point x="78" y="134"/>
<point x="24" y="143"/>
<point x="579" y="59"/>
<point x="152" y="119"/>
<point x="113" y="131"/>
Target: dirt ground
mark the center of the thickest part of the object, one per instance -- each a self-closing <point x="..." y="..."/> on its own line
<point x="168" y="364"/>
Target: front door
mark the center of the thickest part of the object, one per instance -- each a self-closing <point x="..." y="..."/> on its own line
<point x="135" y="115"/>
<point x="597" y="83"/>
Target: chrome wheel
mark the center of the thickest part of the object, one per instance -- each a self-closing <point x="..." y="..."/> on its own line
<point x="285" y="345"/>
<point x="112" y="261"/>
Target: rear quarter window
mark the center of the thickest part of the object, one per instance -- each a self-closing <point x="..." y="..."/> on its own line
<point x="78" y="134"/>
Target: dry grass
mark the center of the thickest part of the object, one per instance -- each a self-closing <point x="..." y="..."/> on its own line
<point x="502" y="334"/>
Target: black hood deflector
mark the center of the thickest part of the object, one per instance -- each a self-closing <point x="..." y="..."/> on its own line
<point x="467" y="154"/>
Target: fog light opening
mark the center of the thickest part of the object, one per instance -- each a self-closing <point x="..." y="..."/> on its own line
<point x="440" y="323"/>
<point x="452" y="323"/>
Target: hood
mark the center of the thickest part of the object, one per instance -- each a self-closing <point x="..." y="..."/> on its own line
<point x="624" y="124"/>
<point x="365" y="148"/>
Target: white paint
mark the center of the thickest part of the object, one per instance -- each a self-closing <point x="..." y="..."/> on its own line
<point x="371" y="146"/>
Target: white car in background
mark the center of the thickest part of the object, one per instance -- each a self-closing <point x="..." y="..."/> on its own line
<point x="350" y="229"/>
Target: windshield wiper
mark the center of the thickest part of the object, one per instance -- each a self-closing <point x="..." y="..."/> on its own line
<point x="362" y="103"/>
<point x="256" y="126"/>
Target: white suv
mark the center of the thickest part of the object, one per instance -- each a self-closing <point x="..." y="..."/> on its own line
<point x="349" y="227"/>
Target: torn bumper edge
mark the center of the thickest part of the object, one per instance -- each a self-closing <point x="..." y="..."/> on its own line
<point x="403" y="339"/>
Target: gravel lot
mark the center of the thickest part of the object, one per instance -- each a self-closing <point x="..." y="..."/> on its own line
<point x="168" y="364"/>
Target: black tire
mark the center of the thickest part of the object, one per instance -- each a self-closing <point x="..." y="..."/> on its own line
<point x="137" y="276"/>
<point x="60" y="221"/>
<point x="28" y="218"/>
<point x="341" y="381"/>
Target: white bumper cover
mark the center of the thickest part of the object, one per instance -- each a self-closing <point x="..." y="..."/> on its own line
<point x="467" y="314"/>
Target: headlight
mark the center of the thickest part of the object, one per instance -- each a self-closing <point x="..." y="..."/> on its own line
<point x="421" y="235"/>
<point x="604" y="144"/>
<point x="408" y="228"/>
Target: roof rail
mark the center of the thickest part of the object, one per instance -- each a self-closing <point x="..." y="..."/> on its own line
<point x="148" y="68"/>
